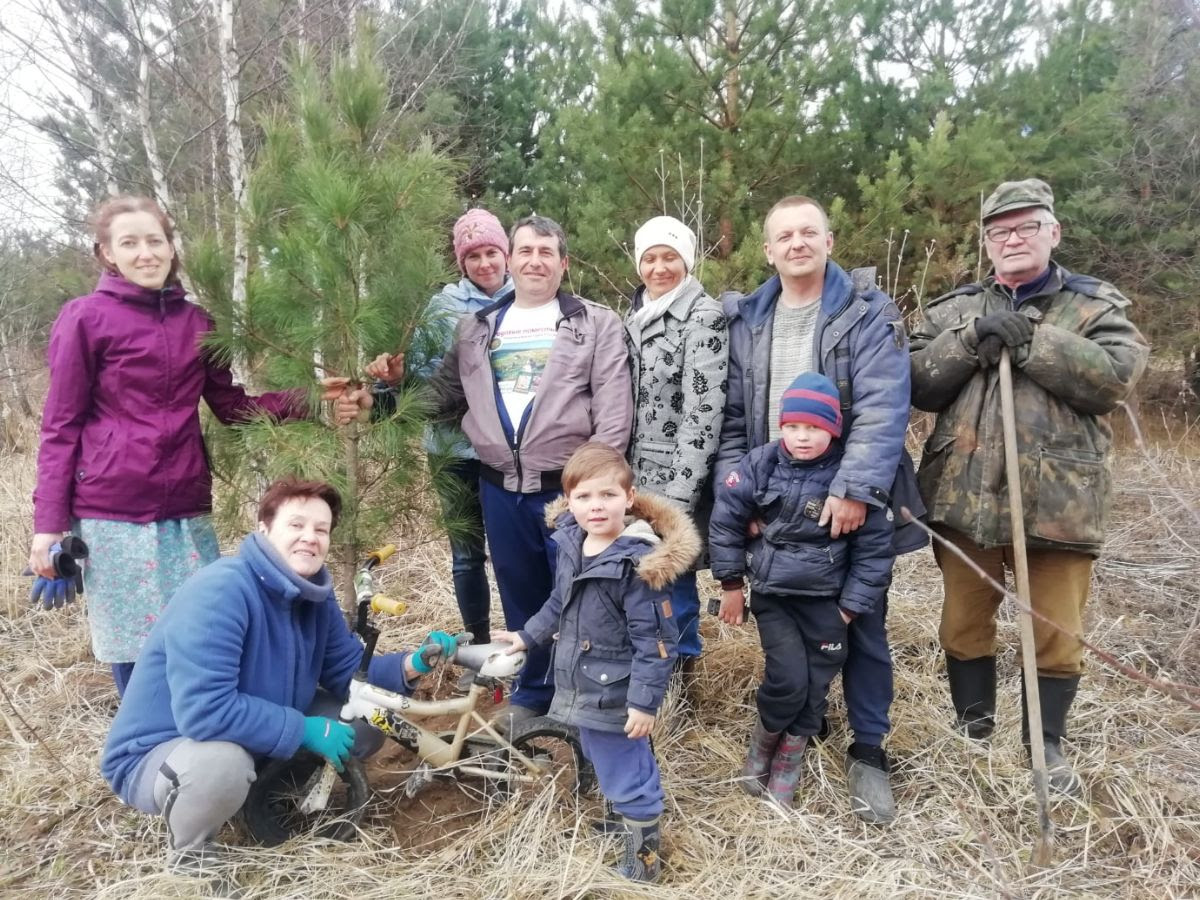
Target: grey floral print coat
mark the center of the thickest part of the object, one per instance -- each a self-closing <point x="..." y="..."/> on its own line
<point x="679" y="361"/>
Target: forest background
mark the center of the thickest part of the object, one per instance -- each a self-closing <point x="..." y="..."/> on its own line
<point x="898" y="114"/>
<point x="314" y="154"/>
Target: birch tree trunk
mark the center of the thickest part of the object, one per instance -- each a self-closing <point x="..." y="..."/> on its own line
<point x="235" y="155"/>
<point x="149" y="141"/>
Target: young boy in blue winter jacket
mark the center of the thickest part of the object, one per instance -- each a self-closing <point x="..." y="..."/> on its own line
<point x="610" y="611"/>
<point x="805" y="587"/>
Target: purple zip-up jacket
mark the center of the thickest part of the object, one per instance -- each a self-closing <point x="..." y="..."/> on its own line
<point x="121" y="432"/>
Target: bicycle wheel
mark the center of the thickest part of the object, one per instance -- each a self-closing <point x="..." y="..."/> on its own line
<point x="272" y="808"/>
<point x="554" y="747"/>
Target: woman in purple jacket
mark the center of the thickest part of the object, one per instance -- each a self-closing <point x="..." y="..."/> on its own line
<point x="122" y="460"/>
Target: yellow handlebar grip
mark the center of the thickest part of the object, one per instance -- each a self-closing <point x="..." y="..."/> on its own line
<point x="383" y="553"/>
<point x="382" y="604"/>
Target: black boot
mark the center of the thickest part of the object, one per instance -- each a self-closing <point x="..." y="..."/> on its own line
<point x="683" y="673"/>
<point x="641" y="862"/>
<point x="973" y="692"/>
<point x="1057" y="695"/>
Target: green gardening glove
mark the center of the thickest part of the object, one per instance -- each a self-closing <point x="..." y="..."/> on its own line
<point x="438" y="646"/>
<point x="328" y="738"/>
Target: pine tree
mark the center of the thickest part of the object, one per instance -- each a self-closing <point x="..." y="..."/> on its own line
<point x="349" y="214"/>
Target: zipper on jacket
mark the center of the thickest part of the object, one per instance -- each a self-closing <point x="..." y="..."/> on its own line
<point x="167" y="380"/>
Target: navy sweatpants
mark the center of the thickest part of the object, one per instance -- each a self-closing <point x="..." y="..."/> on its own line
<point x="867" y="680"/>
<point x="523" y="558"/>
<point x="627" y="772"/>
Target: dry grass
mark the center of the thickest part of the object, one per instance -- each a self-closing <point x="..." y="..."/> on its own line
<point x="967" y="816"/>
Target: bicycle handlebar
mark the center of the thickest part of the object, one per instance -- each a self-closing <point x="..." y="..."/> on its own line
<point x="382" y="604"/>
<point x="379" y="556"/>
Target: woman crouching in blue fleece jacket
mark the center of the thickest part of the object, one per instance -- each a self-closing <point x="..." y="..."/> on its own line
<point x="252" y="658"/>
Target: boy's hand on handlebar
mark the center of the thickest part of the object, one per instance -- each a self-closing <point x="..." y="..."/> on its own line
<point x="733" y="606"/>
<point x="510" y="637"/>
<point x="328" y="738"/>
<point x="639" y="724"/>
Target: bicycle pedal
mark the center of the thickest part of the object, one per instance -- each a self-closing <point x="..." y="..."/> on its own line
<point x="421" y="777"/>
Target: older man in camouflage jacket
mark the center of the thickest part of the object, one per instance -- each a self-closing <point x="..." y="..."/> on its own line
<point x="1075" y="358"/>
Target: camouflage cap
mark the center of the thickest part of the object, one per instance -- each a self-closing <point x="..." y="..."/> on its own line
<point x="1018" y="195"/>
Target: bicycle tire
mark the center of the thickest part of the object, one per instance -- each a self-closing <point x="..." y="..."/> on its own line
<point x="272" y="814"/>
<point x="558" y="744"/>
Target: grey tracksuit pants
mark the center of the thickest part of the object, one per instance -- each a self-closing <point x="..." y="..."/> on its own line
<point x="197" y="786"/>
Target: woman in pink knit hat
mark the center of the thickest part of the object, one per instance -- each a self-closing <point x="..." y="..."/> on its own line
<point x="481" y="251"/>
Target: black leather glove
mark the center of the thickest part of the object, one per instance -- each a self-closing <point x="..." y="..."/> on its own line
<point x="1013" y="328"/>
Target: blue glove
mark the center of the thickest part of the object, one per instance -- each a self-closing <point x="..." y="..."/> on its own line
<point x="437" y="647"/>
<point x="328" y="738"/>
<point x="54" y="593"/>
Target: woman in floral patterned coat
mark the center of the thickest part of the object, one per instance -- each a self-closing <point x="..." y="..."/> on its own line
<point x="678" y="351"/>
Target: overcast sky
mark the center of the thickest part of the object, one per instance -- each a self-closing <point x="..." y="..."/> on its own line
<point x="28" y="82"/>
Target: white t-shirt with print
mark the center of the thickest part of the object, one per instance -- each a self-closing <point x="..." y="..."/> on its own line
<point x="519" y="352"/>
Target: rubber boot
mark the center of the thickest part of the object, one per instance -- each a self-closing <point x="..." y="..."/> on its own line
<point x="973" y="692"/>
<point x="641" y="862"/>
<point x="867" y="782"/>
<point x="758" y="759"/>
<point x="785" y="769"/>
<point x="612" y="823"/>
<point x="1057" y="695"/>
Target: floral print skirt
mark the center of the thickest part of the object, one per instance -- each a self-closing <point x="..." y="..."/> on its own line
<point x="132" y="571"/>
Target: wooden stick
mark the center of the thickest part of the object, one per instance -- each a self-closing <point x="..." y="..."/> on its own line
<point x="1033" y="701"/>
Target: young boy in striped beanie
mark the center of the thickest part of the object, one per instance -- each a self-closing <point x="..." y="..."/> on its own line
<point x="805" y="587"/>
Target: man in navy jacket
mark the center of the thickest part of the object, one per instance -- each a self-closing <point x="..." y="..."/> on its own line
<point x="811" y="316"/>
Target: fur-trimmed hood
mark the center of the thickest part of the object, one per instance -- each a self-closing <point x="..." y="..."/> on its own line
<point x="676" y="540"/>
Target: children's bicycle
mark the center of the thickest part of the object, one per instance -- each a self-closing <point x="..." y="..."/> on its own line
<point x="305" y="793"/>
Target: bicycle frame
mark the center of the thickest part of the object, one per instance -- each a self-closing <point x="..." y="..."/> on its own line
<point x="393" y="713"/>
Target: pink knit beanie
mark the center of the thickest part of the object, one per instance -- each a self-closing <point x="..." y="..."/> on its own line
<point x="478" y="228"/>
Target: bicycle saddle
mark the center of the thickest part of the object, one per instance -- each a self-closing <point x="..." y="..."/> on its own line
<point x="490" y="659"/>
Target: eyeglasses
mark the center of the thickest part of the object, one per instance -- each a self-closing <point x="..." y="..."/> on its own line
<point x="1001" y="233"/>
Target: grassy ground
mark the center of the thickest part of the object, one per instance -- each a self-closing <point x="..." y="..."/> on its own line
<point x="967" y="818"/>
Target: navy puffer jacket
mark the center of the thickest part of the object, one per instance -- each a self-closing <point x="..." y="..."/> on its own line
<point x="615" y="629"/>
<point x="793" y="555"/>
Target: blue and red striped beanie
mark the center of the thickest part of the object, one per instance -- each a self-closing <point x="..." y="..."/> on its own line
<point x="812" y="398"/>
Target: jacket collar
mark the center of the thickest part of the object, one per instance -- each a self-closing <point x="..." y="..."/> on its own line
<point x="467" y="291"/>
<point x="128" y="292"/>
<point x="679" y="309"/>
<point x="830" y="457"/>
<point x="278" y="578"/>
<point x="678" y="546"/>
<point x="568" y="304"/>
<point x="836" y="292"/>
<point x="1049" y="282"/>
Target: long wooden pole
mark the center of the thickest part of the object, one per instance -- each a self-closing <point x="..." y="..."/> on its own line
<point x="1033" y="701"/>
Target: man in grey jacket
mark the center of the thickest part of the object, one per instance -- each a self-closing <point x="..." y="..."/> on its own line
<point x="811" y="316"/>
<point x="533" y="376"/>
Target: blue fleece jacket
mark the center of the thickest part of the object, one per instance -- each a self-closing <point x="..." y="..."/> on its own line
<point x="237" y="656"/>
